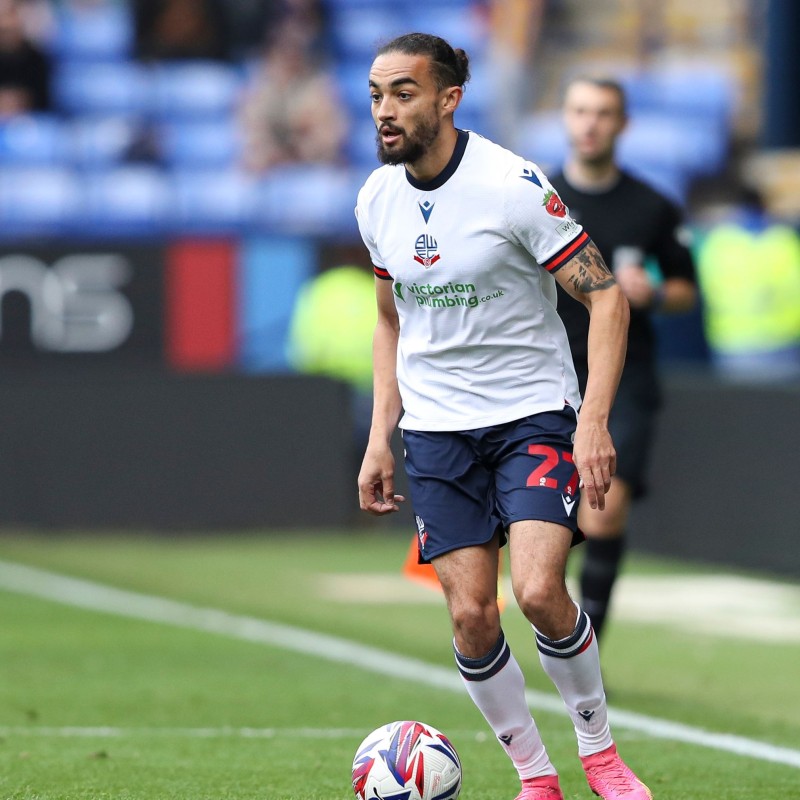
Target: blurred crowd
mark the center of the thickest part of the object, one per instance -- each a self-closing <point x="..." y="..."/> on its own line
<point x="271" y="84"/>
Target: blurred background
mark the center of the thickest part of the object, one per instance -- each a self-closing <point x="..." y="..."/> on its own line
<point x="186" y="306"/>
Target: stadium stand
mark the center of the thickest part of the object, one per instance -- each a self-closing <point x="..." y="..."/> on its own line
<point x="139" y="148"/>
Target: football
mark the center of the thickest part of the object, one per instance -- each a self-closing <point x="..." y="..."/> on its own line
<point x="406" y="760"/>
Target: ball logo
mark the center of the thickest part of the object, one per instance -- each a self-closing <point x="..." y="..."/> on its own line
<point x="426" y="248"/>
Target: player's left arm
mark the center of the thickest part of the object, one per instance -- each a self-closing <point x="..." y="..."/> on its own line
<point x="587" y="278"/>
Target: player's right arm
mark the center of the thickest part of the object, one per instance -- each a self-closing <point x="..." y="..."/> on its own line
<point x="586" y="277"/>
<point x="376" y="478"/>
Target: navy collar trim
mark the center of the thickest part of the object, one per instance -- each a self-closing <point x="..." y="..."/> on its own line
<point x="448" y="171"/>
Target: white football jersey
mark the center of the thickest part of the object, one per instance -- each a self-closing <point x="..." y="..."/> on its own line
<point x="470" y="254"/>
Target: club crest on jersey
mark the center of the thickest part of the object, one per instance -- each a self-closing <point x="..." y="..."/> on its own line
<point x="426" y="250"/>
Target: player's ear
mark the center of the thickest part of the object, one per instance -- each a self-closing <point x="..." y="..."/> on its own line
<point x="451" y="97"/>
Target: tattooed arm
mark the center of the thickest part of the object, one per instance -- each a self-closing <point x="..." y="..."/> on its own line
<point x="588" y="279"/>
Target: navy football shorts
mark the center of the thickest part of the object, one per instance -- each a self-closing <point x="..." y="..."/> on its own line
<point x="468" y="486"/>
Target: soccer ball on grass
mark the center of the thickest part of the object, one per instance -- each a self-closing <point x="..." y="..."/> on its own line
<point x="406" y="760"/>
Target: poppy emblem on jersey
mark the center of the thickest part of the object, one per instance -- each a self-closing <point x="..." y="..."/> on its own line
<point x="426" y="248"/>
<point x="554" y="205"/>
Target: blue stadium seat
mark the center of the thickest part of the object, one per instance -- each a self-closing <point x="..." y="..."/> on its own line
<point x="38" y="200"/>
<point x="128" y="200"/>
<point x="352" y="80"/>
<point x="111" y="87"/>
<point x="457" y="22"/>
<point x="700" y="90"/>
<point x="200" y="143"/>
<point x="30" y="140"/>
<point x="199" y="89"/>
<point x="99" y="142"/>
<point x="213" y="201"/>
<point x="308" y="200"/>
<point x="697" y="146"/>
<point x="361" y="146"/>
<point x="356" y="31"/>
<point x="93" y="31"/>
<point x="541" y="139"/>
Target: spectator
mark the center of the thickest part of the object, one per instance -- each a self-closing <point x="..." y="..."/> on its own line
<point x="749" y="273"/>
<point x="290" y="114"/>
<point x="180" y="29"/>
<point x="24" y="67"/>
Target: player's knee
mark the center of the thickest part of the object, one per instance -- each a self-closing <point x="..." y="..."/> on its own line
<point x="537" y="597"/>
<point x="476" y="622"/>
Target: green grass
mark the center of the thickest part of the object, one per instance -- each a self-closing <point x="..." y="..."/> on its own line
<point x="176" y="699"/>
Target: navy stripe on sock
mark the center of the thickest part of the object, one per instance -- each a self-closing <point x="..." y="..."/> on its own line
<point x="480" y="669"/>
<point x="574" y="644"/>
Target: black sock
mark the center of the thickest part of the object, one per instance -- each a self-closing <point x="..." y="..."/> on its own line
<point x="601" y="563"/>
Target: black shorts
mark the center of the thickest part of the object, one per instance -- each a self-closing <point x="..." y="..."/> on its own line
<point x="632" y="423"/>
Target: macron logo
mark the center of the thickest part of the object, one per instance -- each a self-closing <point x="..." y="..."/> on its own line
<point x="569" y="503"/>
<point x="587" y="715"/>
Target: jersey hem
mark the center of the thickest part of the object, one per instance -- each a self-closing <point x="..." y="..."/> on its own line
<point x="409" y="423"/>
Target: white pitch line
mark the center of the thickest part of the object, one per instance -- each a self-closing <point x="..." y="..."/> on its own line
<point x="88" y="732"/>
<point x="107" y="599"/>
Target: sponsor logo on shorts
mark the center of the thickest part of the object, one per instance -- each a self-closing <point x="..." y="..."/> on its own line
<point x="422" y="534"/>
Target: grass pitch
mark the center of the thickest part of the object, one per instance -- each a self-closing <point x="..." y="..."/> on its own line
<point x="97" y="705"/>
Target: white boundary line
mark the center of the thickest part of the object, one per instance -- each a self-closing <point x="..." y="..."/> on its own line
<point x="109" y="600"/>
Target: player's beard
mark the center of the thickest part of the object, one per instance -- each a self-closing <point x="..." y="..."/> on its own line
<point x="414" y="146"/>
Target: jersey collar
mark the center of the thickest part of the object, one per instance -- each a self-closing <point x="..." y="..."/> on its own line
<point x="448" y="171"/>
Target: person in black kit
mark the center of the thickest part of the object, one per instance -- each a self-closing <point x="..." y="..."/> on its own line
<point x="631" y="224"/>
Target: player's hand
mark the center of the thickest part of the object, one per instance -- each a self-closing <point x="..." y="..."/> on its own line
<point x="595" y="460"/>
<point x="376" y="483"/>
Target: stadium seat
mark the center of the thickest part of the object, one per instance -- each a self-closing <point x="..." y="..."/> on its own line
<point x="199" y="143"/>
<point x="213" y="200"/>
<point x="111" y="87"/>
<point x="457" y="22"/>
<point x="696" y="146"/>
<point x="99" y="142"/>
<point x="195" y="89"/>
<point x="308" y="200"/>
<point x="41" y="200"/>
<point x="97" y="31"/>
<point x="128" y="200"/>
<point x="356" y="31"/>
<point x="30" y="140"/>
<point x="699" y="90"/>
<point x="360" y="145"/>
<point x="541" y="139"/>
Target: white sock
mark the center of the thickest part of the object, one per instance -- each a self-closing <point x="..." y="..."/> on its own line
<point x="497" y="687"/>
<point x="573" y="665"/>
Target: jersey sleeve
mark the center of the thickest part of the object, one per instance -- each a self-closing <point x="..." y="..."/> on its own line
<point x="538" y="220"/>
<point x="672" y="251"/>
<point x="378" y="266"/>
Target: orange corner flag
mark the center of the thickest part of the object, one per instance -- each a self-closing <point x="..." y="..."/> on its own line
<point x="425" y="574"/>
